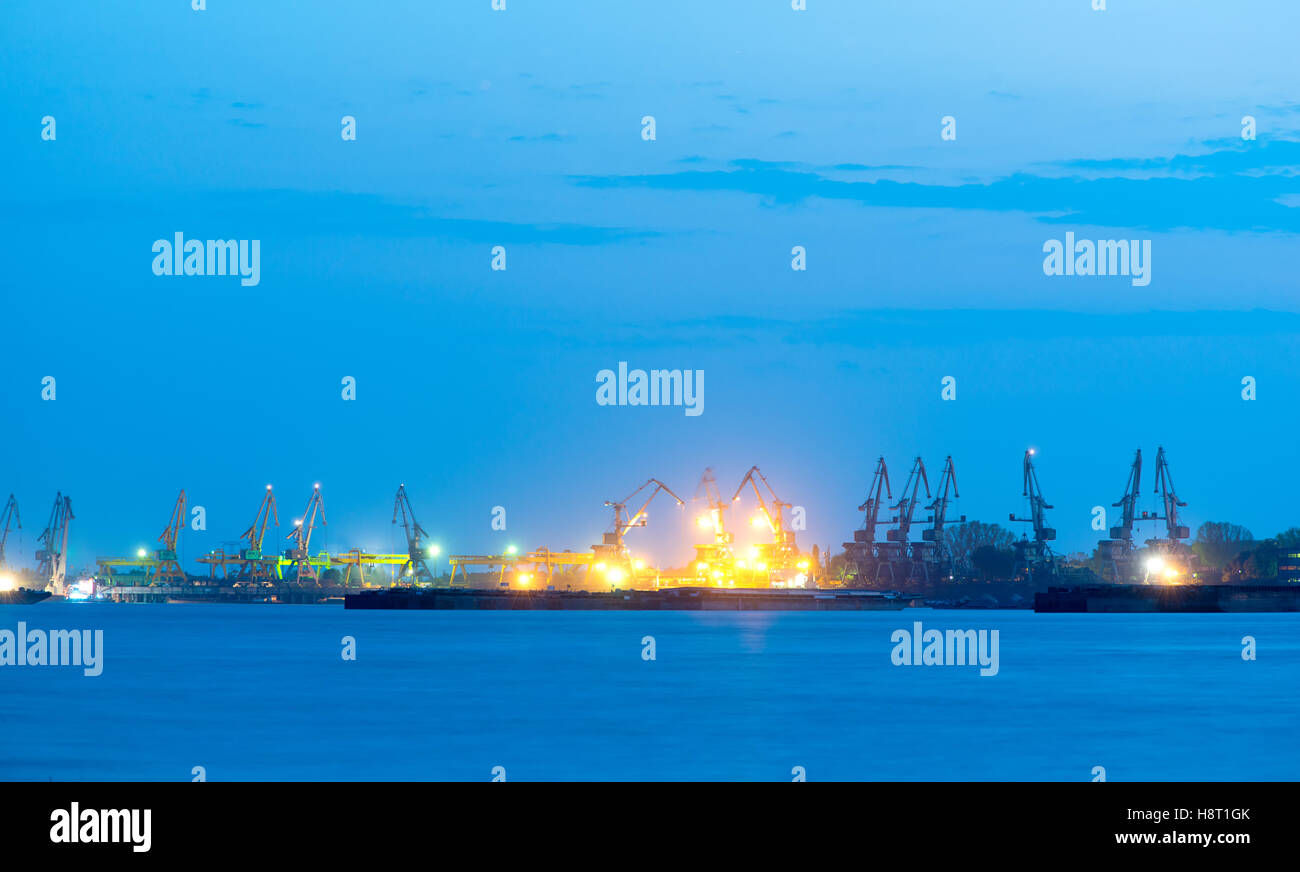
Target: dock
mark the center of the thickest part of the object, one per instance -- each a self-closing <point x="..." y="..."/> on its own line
<point x="670" y="599"/>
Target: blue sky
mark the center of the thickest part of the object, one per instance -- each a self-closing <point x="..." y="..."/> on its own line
<point x="522" y="128"/>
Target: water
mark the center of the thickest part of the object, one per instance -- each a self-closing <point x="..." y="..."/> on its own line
<point x="261" y="692"/>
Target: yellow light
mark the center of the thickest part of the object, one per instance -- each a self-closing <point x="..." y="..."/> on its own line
<point x="702" y="566"/>
<point x="616" y="575"/>
<point x="1171" y="572"/>
<point x="740" y="564"/>
<point x="761" y="567"/>
<point x="599" y="567"/>
<point x="1155" y="564"/>
<point x="704" y="521"/>
<point x="7" y="582"/>
<point x="638" y="564"/>
<point x="803" y="564"/>
<point x="753" y="553"/>
<point x="717" y="573"/>
<point x="524" y="578"/>
<point x="756" y="521"/>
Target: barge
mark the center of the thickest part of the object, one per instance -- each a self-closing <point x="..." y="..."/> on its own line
<point x="1170" y="598"/>
<point x="668" y="599"/>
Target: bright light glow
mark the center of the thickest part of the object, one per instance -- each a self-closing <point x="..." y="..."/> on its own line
<point x="803" y="564"/>
<point x="434" y="550"/>
<point x="1155" y="564"/>
<point x="704" y="521"/>
<point x="740" y="564"/>
<point x="757" y="521"/>
<point x="1171" y="572"/>
<point x="717" y="573"/>
<point x="799" y="580"/>
<point x="753" y="553"/>
<point x="7" y="582"/>
<point x="141" y="553"/>
<point x="702" y="566"/>
<point x="81" y="590"/>
<point x="523" y="578"/>
<point x="638" y="564"/>
<point x="599" y="567"/>
<point x="510" y="549"/>
<point x="616" y="575"/>
<point x="761" y="567"/>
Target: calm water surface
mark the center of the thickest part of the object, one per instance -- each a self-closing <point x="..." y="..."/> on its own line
<point x="261" y="692"/>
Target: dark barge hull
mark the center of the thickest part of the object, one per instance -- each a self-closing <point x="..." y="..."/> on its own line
<point x="1170" y="598"/>
<point x="674" y="599"/>
<point x="22" y="596"/>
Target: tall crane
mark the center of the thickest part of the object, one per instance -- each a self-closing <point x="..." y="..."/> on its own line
<point x="1169" y="500"/>
<point x="301" y="538"/>
<point x="861" y="552"/>
<point x="1128" y="502"/>
<point x="613" y="544"/>
<point x="52" y="552"/>
<point x="1118" y="551"/>
<point x="415" y="535"/>
<point x="774" y="516"/>
<point x="714" y="559"/>
<point x="1034" y="555"/>
<point x="9" y="520"/>
<point x="255" y="566"/>
<point x="168" y="569"/>
<point x="933" y="551"/>
<point x="895" y="552"/>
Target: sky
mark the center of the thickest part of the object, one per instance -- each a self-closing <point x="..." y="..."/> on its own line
<point x="522" y="128"/>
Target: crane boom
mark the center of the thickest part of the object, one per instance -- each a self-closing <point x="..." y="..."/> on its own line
<point x="9" y="520"/>
<point x="256" y="532"/>
<point x="775" y="520"/>
<point x="715" y="519"/>
<point x="947" y="482"/>
<point x="1128" y="502"/>
<point x="169" y="568"/>
<point x="907" y="502"/>
<point x="872" y="504"/>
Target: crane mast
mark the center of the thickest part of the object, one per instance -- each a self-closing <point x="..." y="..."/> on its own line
<point x="1169" y="499"/>
<point x="1037" y="504"/>
<point x="1128" y="503"/>
<point x="9" y="520"/>
<point x="169" y="568"/>
<point x="255" y="565"/>
<point x="947" y="483"/>
<point x="415" y="564"/>
<point x="907" y="502"/>
<point x="299" y="554"/>
<point x="862" y="551"/>
<point x="52" y="552"/>
<point x="715" y="519"/>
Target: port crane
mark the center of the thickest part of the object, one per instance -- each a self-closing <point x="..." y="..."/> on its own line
<point x="613" y="545"/>
<point x="52" y="552"/>
<point x="1118" y="550"/>
<point x="1034" y="554"/>
<point x="933" y="548"/>
<point x="713" y="559"/>
<point x="415" y="564"/>
<point x="782" y="538"/>
<point x="895" y="551"/>
<point x="9" y="520"/>
<point x="1169" y="500"/>
<point x="861" y="552"/>
<point x="255" y="566"/>
<point x="167" y="569"/>
<point x="301" y="538"/>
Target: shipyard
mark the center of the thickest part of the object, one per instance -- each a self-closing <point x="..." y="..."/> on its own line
<point x="908" y="547"/>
